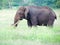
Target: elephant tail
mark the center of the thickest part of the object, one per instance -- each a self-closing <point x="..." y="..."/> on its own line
<point x="53" y="13"/>
<point x="55" y="17"/>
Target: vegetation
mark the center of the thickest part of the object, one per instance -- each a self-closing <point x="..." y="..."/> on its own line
<point x="22" y="35"/>
<point x="15" y="3"/>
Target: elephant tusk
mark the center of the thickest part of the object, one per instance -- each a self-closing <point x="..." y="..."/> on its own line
<point x="15" y="23"/>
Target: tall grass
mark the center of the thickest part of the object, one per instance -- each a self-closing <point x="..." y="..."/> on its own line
<point x="23" y="32"/>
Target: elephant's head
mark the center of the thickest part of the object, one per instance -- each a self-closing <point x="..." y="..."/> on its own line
<point x="20" y="14"/>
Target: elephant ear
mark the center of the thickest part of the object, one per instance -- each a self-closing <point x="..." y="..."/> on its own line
<point x="26" y="11"/>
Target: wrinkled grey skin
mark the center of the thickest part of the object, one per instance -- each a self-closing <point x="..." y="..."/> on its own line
<point x="35" y="15"/>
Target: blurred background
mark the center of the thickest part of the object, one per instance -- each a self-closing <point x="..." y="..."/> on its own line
<point x="16" y="3"/>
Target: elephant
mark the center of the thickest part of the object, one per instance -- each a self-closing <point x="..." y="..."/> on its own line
<point x="35" y="15"/>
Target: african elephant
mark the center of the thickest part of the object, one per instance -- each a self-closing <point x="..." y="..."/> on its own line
<point x="35" y="15"/>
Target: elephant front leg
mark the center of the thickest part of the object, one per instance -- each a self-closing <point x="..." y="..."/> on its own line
<point x="34" y="21"/>
<point x="29" y="23"/>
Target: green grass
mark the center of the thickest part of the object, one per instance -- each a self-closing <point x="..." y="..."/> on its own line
<point x="24" y="35"/>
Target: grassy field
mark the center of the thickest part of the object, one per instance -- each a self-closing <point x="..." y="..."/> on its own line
<point x="22" y="35"/>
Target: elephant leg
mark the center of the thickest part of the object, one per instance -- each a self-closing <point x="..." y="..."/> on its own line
<point x="39" y="22"/>
<point x="29" y="23"/>
<point x="50" y="23"/>
<point x="45" y="24"/>
<point x="34" y="21"/>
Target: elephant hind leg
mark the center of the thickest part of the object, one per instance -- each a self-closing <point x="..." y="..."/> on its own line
<point x="45" y="24"/>
<point x="50" y="23"/>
